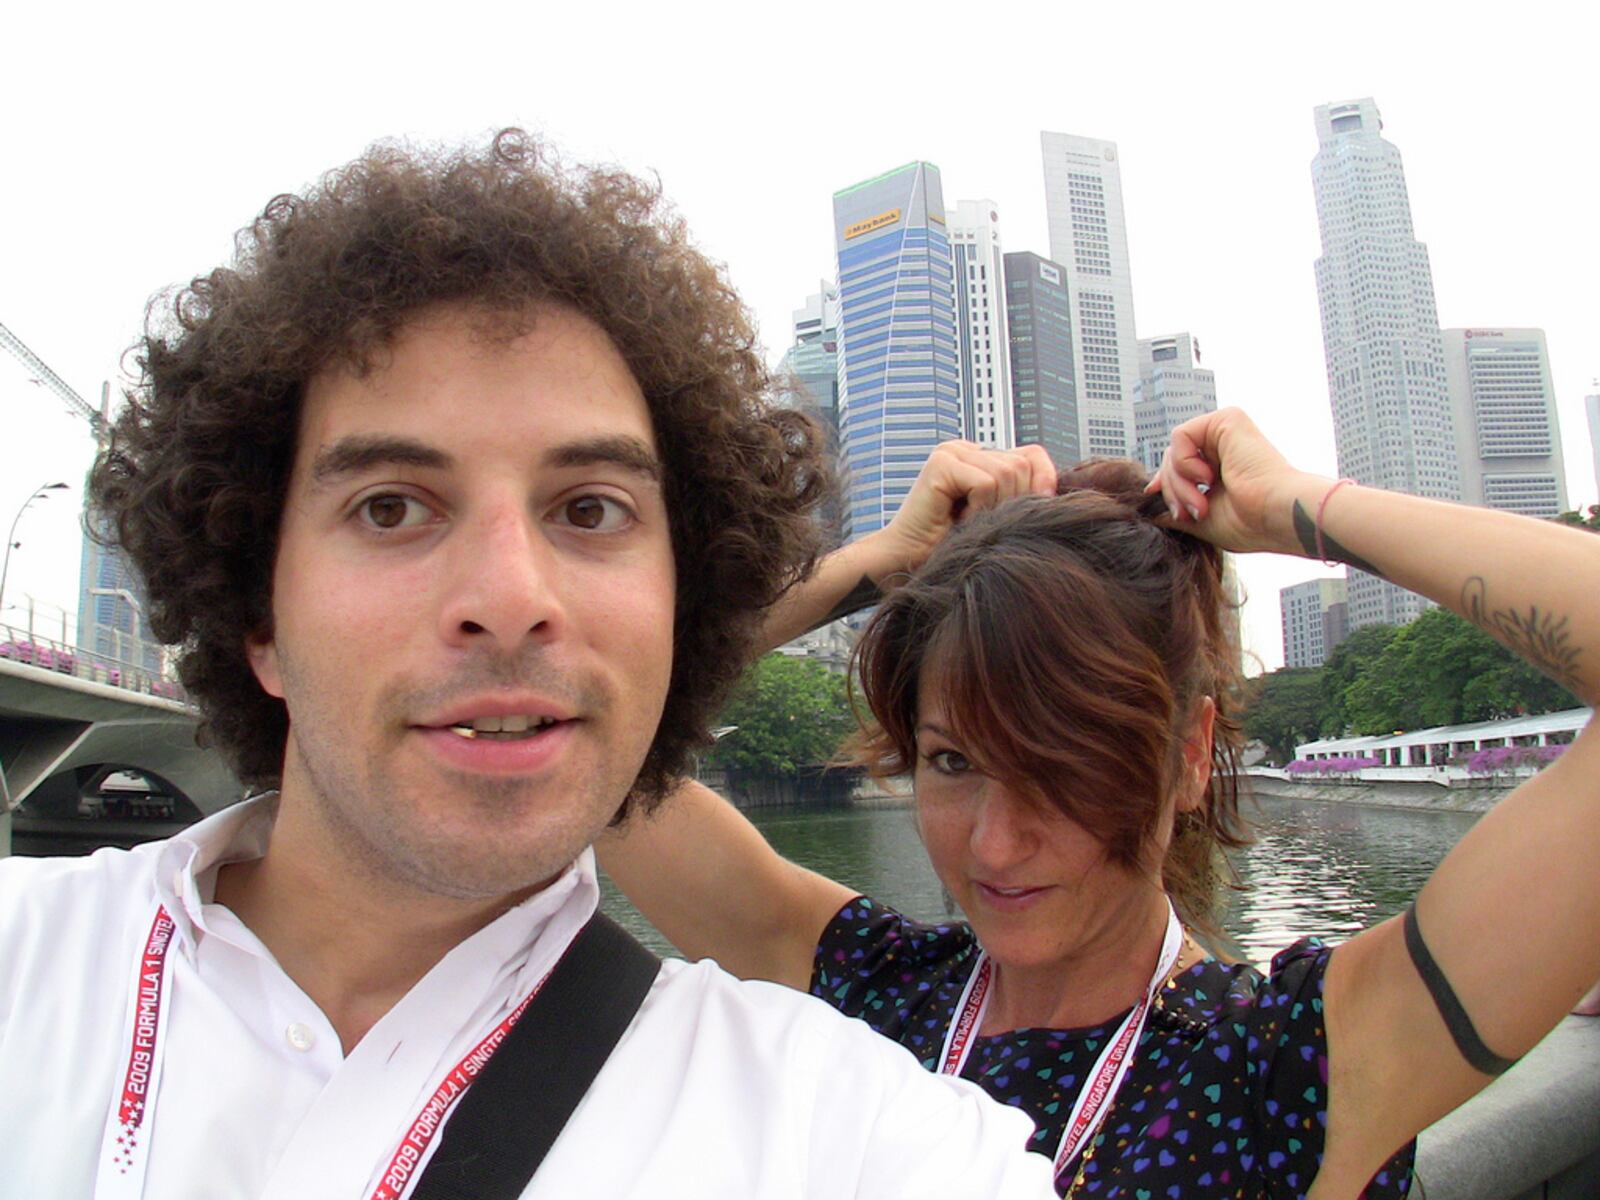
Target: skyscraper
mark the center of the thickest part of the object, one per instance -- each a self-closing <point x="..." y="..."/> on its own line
<point x="1039" y="344"/>
<point x="981" y="319"/>
<point x="1089" y="239"/>
<point x="1392" y="422"/>
<point x="811" y="365"/>
<point x="1315" y="621"/>
<point x="111" y="609"/>
<point x="1173" y="387"/>
<point x="1591" y="407"/>
<point x="1505" y="419"/>
<point x="899" y="393"/>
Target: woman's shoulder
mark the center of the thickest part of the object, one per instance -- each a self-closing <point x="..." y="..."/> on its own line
<point x="877" y="963"/>
<point x="866" y="932"/>
<point x="1214" y="990"/>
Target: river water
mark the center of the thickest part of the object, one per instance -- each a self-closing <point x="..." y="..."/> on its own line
<point x="1315" y="868"/>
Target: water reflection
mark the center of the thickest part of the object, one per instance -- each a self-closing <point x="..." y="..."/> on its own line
<point x="1333" y="869"/>
<point x="1318" y="868"/>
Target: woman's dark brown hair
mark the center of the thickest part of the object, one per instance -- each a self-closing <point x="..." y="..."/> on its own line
<point x="1073" y="640"/>
<point x="192" y="481"/>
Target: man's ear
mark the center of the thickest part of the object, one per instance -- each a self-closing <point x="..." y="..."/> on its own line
<point x="262" y="651"/>
<point x="1197" y="757"/>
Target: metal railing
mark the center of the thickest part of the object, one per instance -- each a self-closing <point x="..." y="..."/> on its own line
<point x="31" y="649"/>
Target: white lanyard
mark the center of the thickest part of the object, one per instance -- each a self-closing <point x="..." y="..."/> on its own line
<point x="125" y="1150"/>
<point x="1094" y="1100"/>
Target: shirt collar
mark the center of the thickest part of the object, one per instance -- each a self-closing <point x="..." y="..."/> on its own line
<point x="185" y="875"/>
<point x="235" y="834"/>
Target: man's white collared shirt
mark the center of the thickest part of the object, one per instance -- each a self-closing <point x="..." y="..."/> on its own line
<point x="719" y="1088"/>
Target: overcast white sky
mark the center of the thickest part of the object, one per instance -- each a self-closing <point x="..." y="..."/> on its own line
<point x="137" y="141"/>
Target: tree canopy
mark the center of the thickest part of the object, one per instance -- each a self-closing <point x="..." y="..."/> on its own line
<point x="790" y="713"/>
<point x="1285" y="708"/>
<point x="1437" y="670"/>
<point x="1588" y="518"/>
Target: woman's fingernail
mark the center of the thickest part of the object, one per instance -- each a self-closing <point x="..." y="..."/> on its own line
<point x="1193" y="511"/>
<point x="1172" y="507"/>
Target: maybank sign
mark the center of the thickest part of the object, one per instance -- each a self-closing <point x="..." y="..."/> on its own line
<point x="871" y="224"/>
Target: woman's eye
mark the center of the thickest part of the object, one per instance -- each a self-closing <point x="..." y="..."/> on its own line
<point x="394" y="511"/>
<point x="601" y="514"/>
<point x="949" y="762"/>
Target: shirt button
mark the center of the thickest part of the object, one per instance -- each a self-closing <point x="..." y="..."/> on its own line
<point x="301" y="1037"/>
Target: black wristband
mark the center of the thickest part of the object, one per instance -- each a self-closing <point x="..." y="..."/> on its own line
<point x="1444" y="997"/>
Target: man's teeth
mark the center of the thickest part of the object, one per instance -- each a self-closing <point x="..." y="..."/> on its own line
<point x="517" y="725"/>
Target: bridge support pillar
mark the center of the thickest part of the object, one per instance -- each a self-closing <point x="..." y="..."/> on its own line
<point x="5" y="831"/>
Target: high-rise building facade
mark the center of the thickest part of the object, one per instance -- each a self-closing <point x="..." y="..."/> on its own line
<point x="111" y="609"/>
<point x="1173" y="387"/>
<point x="1392" y="421"/>
<point x="899" y="391"/>
<point x="1591" y="408"/>
<point x="974" y="227"/>
<point x="1044" y="397"/>
<point x="810" y="367"/>
<point x="1315" y="620"/>
<point x="1507" y="430"/>
<point x="1089" y="239"/>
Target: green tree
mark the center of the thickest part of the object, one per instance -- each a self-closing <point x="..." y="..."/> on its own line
<point x="790" y="713"/>
<point x="1439" y="670"/>
<point x="1345" y="666"/>
<point x="1589" y="518"/>
<point x="1284" y="708"/>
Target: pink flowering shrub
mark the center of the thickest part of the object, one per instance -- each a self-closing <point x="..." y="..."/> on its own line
<point x="1325" y="767"/>
<point x="1497" y="759"/>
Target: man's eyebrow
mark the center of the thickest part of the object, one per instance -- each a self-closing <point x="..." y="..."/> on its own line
<point x="630" y="453"/>
<point x="359" y="452"/>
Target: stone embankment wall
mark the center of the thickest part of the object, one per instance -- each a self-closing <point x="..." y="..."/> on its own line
<point x="1430" y="797"/>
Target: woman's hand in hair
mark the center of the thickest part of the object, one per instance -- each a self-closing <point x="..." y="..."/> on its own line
<point x="1223" y="481"/>
<point x="958" y="478"/>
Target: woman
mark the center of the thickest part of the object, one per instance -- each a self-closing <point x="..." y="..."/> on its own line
<point x="1055" y="681"/>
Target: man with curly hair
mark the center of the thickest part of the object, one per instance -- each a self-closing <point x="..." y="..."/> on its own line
<point x="460" y="496"/>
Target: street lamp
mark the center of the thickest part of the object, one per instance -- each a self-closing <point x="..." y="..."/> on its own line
<point x="40" y="493"/>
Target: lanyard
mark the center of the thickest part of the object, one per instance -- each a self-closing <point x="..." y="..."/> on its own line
<point x="125" y="1149"/>
<point x="1094" y="1100"/>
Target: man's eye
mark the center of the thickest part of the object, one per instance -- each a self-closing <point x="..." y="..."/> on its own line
<point x="394" y="511"/>
<point x="599" y="513"/>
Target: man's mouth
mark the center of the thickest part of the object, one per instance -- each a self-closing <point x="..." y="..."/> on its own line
<point x="516" y="727"/>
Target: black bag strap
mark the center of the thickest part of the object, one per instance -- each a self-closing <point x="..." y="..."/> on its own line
<point x="516" y="1108"/>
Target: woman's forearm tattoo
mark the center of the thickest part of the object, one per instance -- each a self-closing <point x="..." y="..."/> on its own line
<point x="1541" y="637"/>
<point x="1305" y="529"/>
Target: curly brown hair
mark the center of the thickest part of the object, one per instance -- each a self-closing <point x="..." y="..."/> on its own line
<point x="1073" y="639"/>
<point x="192" y="480"/>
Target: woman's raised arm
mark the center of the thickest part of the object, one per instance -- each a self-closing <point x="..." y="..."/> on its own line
<point x="1506" y="933"/>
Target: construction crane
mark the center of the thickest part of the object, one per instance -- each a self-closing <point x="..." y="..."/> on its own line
<point x="46" y="378"/>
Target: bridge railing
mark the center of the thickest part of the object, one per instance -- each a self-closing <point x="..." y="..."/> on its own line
<point x="28" y="647"/>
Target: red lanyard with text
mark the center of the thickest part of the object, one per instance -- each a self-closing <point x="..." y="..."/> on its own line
<point x="125" y="1151"/>
<point x="1100" y="1088"/>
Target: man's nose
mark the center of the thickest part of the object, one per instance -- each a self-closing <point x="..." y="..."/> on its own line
<point x="504" y="582"/>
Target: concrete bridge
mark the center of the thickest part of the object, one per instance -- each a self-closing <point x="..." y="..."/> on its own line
<point x="97" y="749"/>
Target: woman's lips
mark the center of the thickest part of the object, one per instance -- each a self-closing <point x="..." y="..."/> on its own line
<point x="1009" y="899"/>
